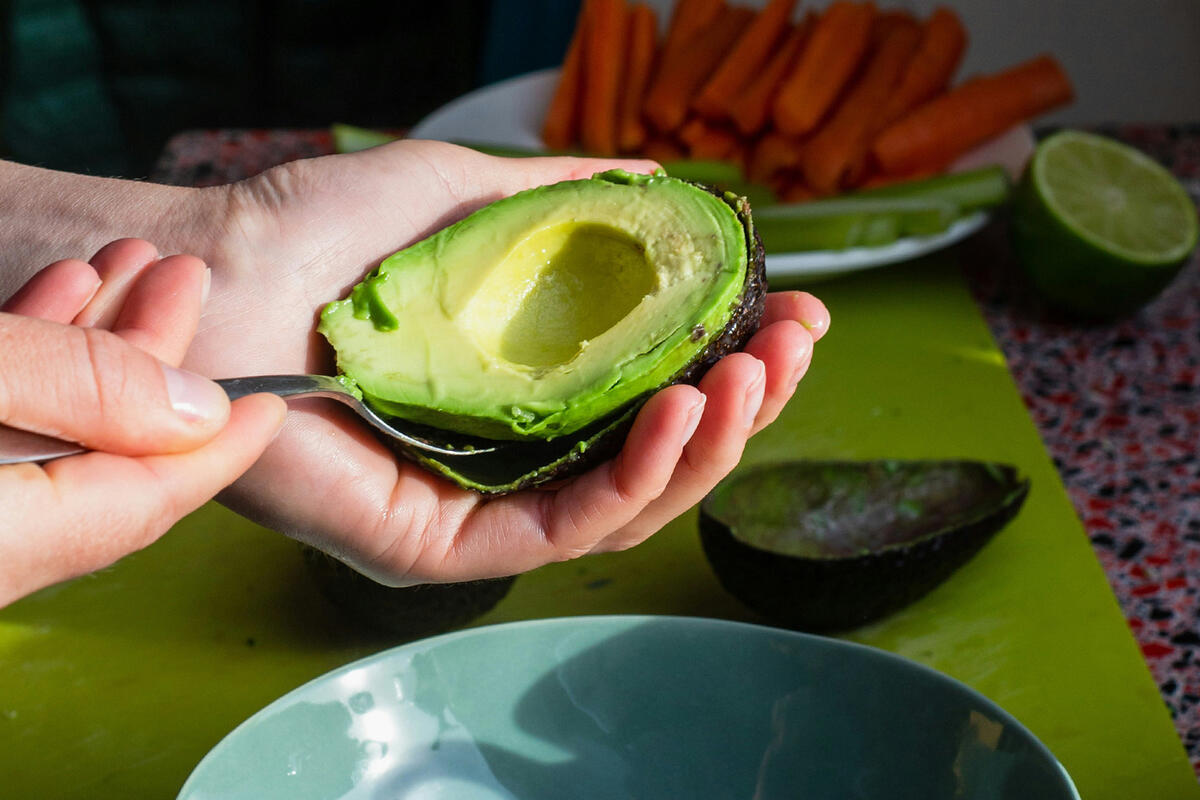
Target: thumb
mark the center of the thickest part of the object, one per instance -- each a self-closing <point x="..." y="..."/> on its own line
<point x="90" y="386"/>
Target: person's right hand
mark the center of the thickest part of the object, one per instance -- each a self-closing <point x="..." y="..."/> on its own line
<point x="166" y="440"/>
<point x="284" y="243"/>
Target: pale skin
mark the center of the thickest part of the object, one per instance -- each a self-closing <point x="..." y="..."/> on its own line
<point x="280" y="246"/>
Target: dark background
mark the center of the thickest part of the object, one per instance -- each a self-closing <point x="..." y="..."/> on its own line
<point x="98" y="86"/>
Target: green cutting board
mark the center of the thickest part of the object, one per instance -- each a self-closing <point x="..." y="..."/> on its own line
<point x="115" y="685"/>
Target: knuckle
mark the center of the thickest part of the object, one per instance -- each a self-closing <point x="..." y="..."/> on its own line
<point x="253" y="204"/>
<point x="629" y="492"/>
<point x="561" y="527"/>
<point x="273" y="187"/>
<point x="714" y="463"/>
<point x="103" y="374"/>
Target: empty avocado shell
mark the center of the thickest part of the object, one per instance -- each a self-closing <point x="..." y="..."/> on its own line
<point x="828" y="546"/>
<point x="408" y="612"/>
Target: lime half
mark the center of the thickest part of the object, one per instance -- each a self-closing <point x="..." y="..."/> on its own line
<point x="1100" y="227"/>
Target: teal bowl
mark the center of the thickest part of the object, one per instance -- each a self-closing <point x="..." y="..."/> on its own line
<point x="630" y="707"/>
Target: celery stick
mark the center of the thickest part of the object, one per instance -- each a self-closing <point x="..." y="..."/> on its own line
<point x="349" y="138"/>
<point x="970" y="191"/>
<point x="881" y="216"/>
<point x="839" y="223"/>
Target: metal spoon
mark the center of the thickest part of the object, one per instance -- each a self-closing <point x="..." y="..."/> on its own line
<point x="17" y="446"/>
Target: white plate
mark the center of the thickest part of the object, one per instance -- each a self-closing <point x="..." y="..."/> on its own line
<point x="509" y="114"/>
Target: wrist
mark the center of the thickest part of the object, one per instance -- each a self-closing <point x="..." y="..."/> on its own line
<point x="47" y="215"/>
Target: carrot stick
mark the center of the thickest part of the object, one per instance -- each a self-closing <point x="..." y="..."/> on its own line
<point x="561" y="125"/>
<point x="772" y="154"/>
<point x="827" y="63"/>
<point x="670" y="93"/>
<point x="744" y="60"/>
<point x="643" y="34"/>
<point x="943" y="41"/>
<point x="688" y="19"/>
<point x="974" y="112"/>
<point x="886" y="20"/>
<point x="796" y="191"/>
<point x="706" y="140"/>
<point x="602" y="62"/>
<point x="841" y="144"/>
<point x="859" y="166"/>
<point x="752" y="106"/>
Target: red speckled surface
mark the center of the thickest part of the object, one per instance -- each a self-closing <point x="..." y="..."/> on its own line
<point x="1118" y="406"/>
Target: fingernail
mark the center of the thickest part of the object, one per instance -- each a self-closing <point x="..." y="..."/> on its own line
<point x="205" y="287"/>
<point x="193" y="397"/>
<point x="802" y="362"/>
<point x="754" y="397"/>
<point x="816" y="326"/>
<point x="693" y="421"/>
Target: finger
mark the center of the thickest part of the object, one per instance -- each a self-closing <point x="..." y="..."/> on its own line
<point x="118" y="263"/>
<point x="56" y="293"/>
<point x="519" y="532"/>
<point x="735" y="387"/>
<point x="95" y="508"/>
<point x="477" y="178"/>
<point x="326" y="452"/>
<point x="163" y="307"/>
<point x="785" y="348"/>
<point x="91" y="387"/>
<point x="800" y="306"/>
<point x="514" y="175"/>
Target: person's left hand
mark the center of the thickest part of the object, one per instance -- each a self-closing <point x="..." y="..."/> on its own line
<point x="299" y="236"/>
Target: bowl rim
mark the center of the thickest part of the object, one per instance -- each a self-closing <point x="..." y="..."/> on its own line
<point x="629" y="621"/>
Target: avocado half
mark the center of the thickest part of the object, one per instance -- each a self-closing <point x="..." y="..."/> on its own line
<point x="407" y="611"/>
<point x="539" y="324"/>
<point x="827" y="546"/>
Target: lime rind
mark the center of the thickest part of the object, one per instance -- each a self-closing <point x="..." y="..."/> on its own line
<point x="1116" y="198"/>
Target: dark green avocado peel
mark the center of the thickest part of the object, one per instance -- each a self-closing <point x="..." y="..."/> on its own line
<point x="827" y="546"/>
<point x="407" y="612"/>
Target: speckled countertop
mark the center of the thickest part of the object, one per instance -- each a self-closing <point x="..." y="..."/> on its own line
<point x="1117" y="405"/>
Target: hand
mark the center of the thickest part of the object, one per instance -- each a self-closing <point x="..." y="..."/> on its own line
<point x="299" y="235"/>
<point x="166" y="440"/>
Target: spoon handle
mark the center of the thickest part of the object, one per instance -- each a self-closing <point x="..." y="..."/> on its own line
<point x="283" y="385"/>
<point x="18" y="446"/>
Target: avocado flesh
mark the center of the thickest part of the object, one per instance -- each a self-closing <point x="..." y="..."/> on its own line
<point x="546" y="311"/>
<point x="519" y="465"/>
<point x="830" y="546"/>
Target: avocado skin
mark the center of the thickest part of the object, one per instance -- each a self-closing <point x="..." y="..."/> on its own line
<point x="745" y="320"/>
<point x="409" y="612"/>
<point x="832" y="595"/>
<point x="522" y="465"/>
